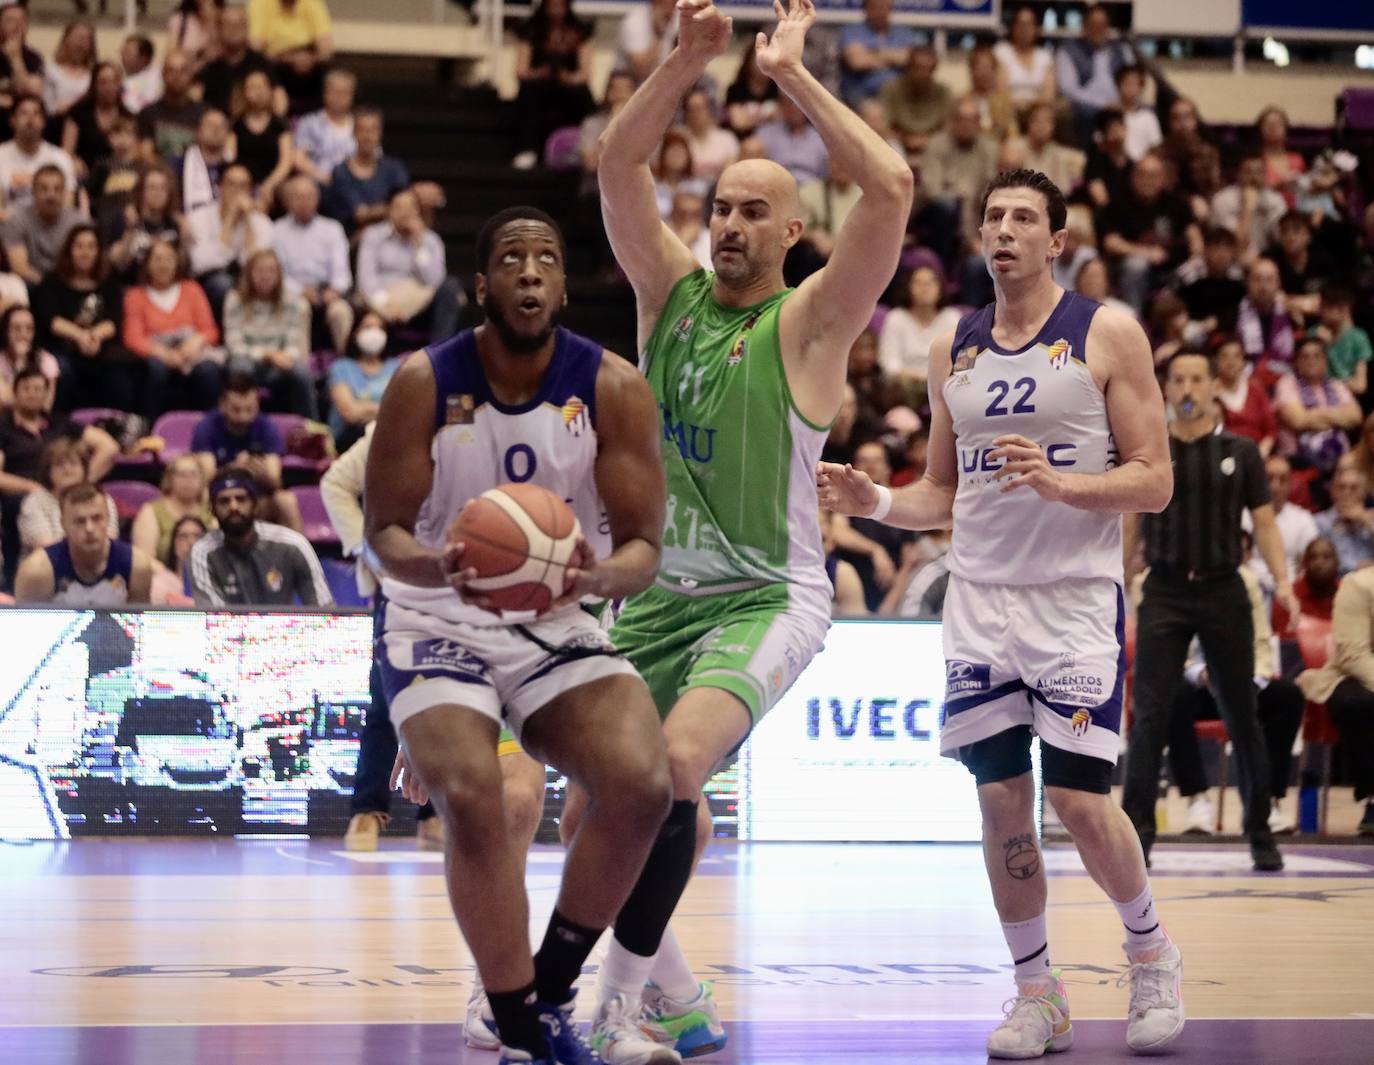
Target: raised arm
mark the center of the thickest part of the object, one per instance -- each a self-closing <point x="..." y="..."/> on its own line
<point x="628" y="206"/>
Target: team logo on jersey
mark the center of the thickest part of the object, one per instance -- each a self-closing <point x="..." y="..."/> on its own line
<point x="1080" y="722"/>
<point x="1228" y="466"/>
<point x="273" y="580"/>
<point x="966" y="359"/>
<point x="1060" y="352"/>
<point x="574" y="416"/>
<point x="459" y="409"/>
<point x="742" y="341"/>
<point x="683" y="329"/>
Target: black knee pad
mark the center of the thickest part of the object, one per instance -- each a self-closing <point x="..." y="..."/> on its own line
<point x="1074" y="771"/>
<point x="1000" y="757"/>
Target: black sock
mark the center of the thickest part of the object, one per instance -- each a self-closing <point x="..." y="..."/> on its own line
<point x="559" y="961"/>
<point x="646" y="913"/>
<point x="517" y="1021"/>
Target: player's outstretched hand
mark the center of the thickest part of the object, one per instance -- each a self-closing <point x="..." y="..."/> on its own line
<point x="1025" y="466"/>
<point x="458" y="576"/>
<point x="579" y="578"/>
<point x="703" y="29"/>
<point x="403" y="777"/>
<point x="784" y="51"/>
<point x="845" y="490"/>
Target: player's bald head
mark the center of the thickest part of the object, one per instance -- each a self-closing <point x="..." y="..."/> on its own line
<point x="754" y="221"/>
<point x="762" y="179"/>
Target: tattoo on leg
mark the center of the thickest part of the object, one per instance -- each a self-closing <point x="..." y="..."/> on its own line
<point x="1022" y="857"/>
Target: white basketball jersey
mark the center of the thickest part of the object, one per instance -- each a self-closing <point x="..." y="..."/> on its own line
<point x="1046" y="393"/>
<point x="480" y="443"/>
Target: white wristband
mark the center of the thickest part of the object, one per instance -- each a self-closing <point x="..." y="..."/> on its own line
<point x="884" y="504"/>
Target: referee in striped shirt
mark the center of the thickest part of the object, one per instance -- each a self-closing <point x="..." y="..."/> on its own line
<point x="1194" y="588"/>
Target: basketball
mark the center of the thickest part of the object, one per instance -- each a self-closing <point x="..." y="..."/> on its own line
<point x="519" y="538"/>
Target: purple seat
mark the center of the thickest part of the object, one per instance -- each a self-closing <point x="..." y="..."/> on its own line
<point x="880" y="313"/>
<point x="341" y="576"/>
<point x="315" y="519"/>
<point x="176" y="428"/>
<point x="129" y="496"/>
<point x="1358" y="107"/>
<point x="562" y="151"/>
<point x="91" y="415"/>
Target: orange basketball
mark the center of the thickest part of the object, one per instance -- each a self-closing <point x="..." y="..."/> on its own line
<point x="518" y="538"/>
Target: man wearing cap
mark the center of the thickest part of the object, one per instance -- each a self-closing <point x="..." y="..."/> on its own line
<point x="246" y="562"/>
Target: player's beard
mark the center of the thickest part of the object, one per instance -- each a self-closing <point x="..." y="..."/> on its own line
<point x="739" y="271"/>
<point x="236" y="526"/>
<point x="512" y="340"/>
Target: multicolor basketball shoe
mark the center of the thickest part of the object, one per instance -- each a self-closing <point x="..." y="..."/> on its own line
<point x="1036" y="1022"/>
<point x="692" y="1027"/>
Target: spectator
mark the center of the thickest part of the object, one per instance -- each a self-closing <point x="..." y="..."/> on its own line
<point x="238" y="433"/>
<point x="1348" y="348"/>
<point x="1282" y="167"/>
<point x="341" y="490"/>
<point x="364" y="183"/>
<point x="1062" y="165"/>
<point x="21" y="68"/>
<point x="1319" y="578"/>
<point x="1361" y="457"/>
<point x="1108" y="171"/>
<point x="113" y="180"/>
<point x="298" y="36"/>
<point x="324" y="138"/>
<point x="67" y="78"/>
<point x="87" y="128"/>
<point x="918" y="590"/>
<point x="152" y="216"/>
<point x="1346" y="683"/>
<point x="1080" y="245"/>
<point x="80" y="307"/>
<point x="996" y="114"/>
<point x="1303" y="270"/>
<point x="1200" y="180"/>
<point x="793" y="143"/>
<point x="825" y="204"/>
<point x="872" y="390"/>
<point x="1278" y="706"/>
<point x="909" y="329"/>
<point x="248" y="562"/>
<point x="1086" y="68"/>
<point x="1212" y="285"/>
<point x="872" y="52"/>
<point x="167" y="127"/>
<point x="1315" y="412"/>
<point x="267" y="335"/>
<point x="87" y="567"/>
<point x="183" y="496"/>
<point x="142" y="78"/>
<point x="620" y="86"/>
<point x="225" y="234"/>
<point x="672" y="171"/>
<point x="552" y="63"/>
<point x="845" y="430"/>
<point x="751" y="99"/>
<point x="27" y="153"/>
<point x="1166" y="324"/>
<point x="1183" y="137"/>
<point x="168" y="323"/>
<point x="264" y="143"/>
<point x="402" y="274"/>
<point x="62" y="466"/>
<point x="687" y="219"/>
<point x="170" y="581"/>
<point x="1348" y="523"/>
<point x="1094" y="281"/>
<point x="1263" y="323"/>
<point x="648" y="32"/>
<point x="1025" y="66"/>
<point x="955" y="169"/>
<point x="1246" y="409"/>
<point x="203" y="165"/>
<point x="1148" y="234"/>
<point x="821" y="56"/>
<point x="713" y="147"/>
<point x="917" y="105"/>
<point x="13" y="291"/>
<point x="357" y="381"/>
<point x="222" y="77"/>
<point x="19" y="351"/>
<point x="847" y="591"/>
<point x="874" y="549"/>
<point x="313" y="252"/>
<point x="1297" y="527"/>
<point x="1143" y="134"/>
<point x="35" y="232"/>
<point x="192" y="29"/>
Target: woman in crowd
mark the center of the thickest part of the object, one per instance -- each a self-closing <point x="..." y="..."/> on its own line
<point x="552" y="62"/>
<point x="194" y="29"/>
<point x="183" y="496"/>
<point x="1245" y="406"/>
<point x="712" y="146"/>
<point x="264" y="142"/>
<point x="152" y="217"/>
<point x="357" y="381"/>
<point x="267" y="335"/>
<point x="673" y="172"/>
<point x="168" y="324"/>
<point x="1315" y="412"/>
<point x="67" y="78"/>
<point x="169" y="577"/>
<point x="80" y="307"/>
<point x="1316" y="586"/>
<point x="1093" y="281"/>
<point x="86" y="131"/>
<point x="620" y="86"/>
<point x="299" y="37"/>
<point x="18" y="349"/>
<point x="909" y="329"/>
<point x="62" y="466"/>
<point x="1025" y="67"/>
<point x="751" y="99"/>
<point x="1282" y="167"/>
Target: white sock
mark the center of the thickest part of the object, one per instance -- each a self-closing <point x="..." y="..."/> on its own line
<point x="1143" y="928"/>
<point x="1030" y="949"/>
<point x="671" y="972"/>
<point x="623" y="973"/>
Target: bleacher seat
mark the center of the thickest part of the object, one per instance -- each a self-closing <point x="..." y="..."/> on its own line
<point x="91" y="415"/>
<point x="562" y="151"/>
<point x="342" y="579"/>
<point x="176" y="428"/>
<point x="319" y="530"/>
<point x="129" y="496"/>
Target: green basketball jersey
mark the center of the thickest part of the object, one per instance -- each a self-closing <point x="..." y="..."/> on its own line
<point x="740" y="458"/>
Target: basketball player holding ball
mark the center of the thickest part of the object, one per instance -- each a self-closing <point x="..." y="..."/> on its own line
<point x="521" y="400"/>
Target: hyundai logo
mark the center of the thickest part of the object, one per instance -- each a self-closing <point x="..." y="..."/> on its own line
<point x="957" y="670"/>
